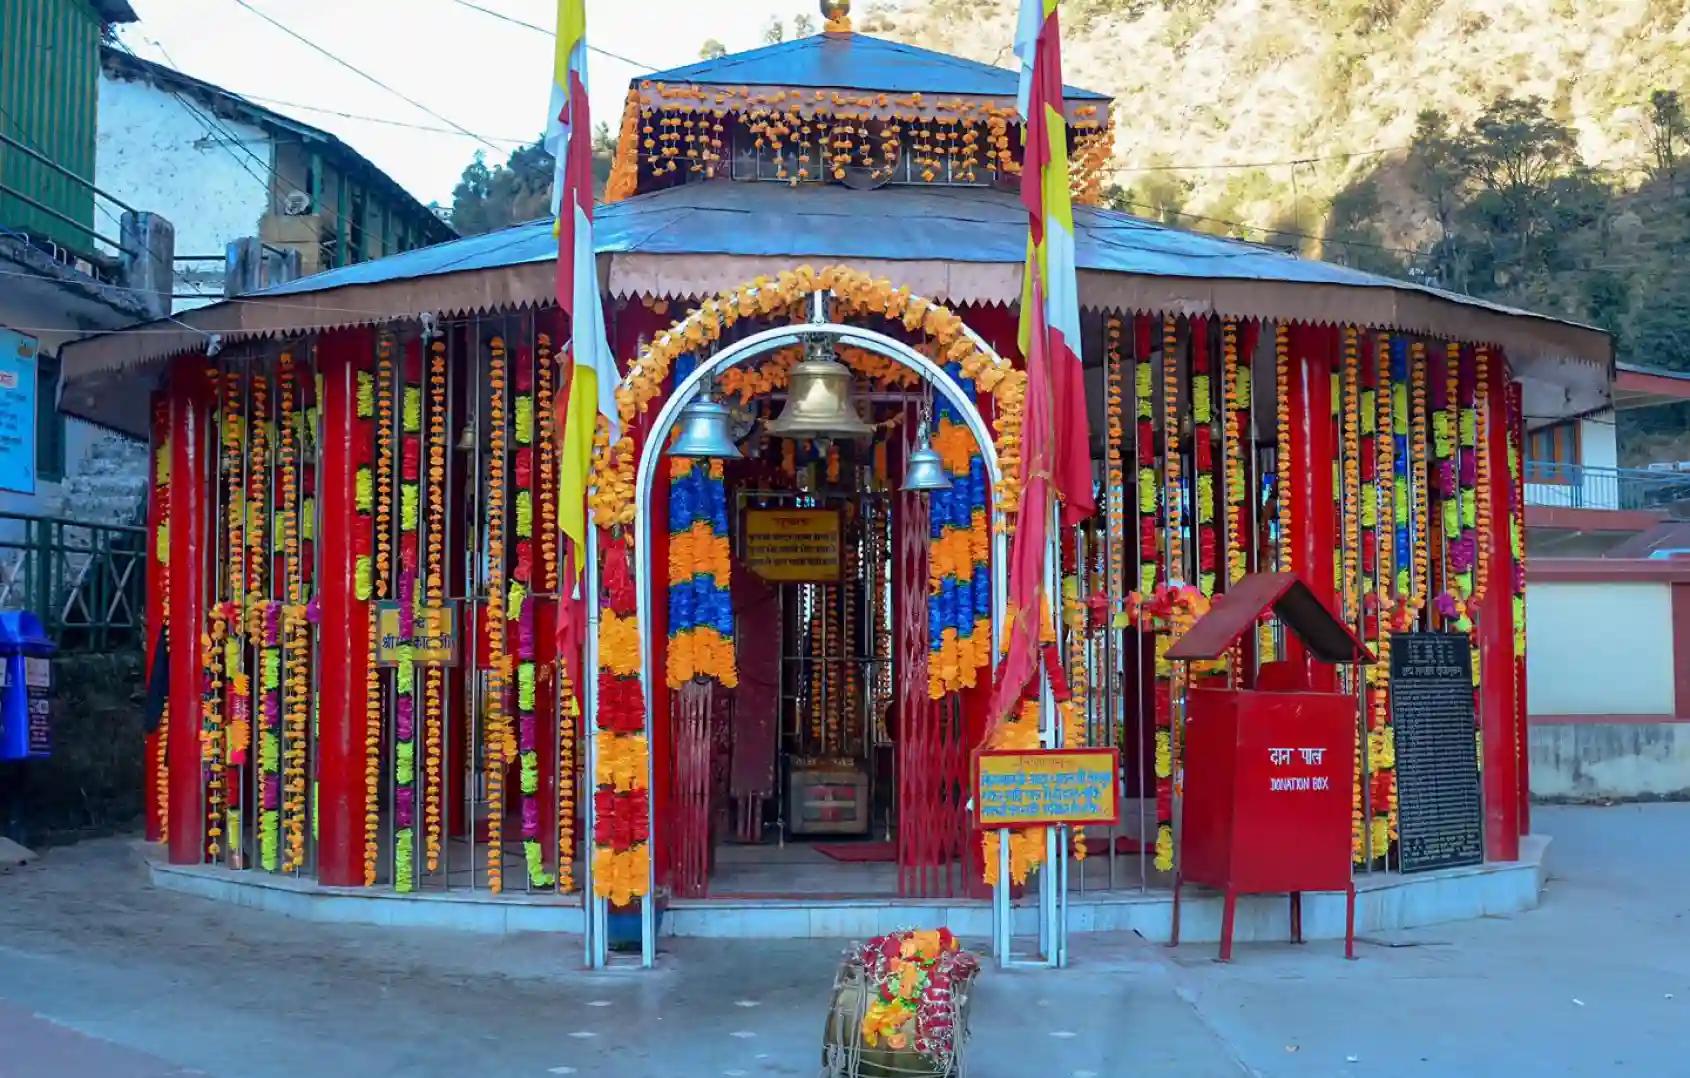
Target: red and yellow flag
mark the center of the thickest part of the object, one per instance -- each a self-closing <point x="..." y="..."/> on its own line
<point x="593" y="379"/>
<point x="1056" y="439"/>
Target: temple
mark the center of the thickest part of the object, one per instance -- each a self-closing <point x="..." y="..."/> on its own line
<point x="763" y="681"/>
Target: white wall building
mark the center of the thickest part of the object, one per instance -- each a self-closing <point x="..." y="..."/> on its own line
<point x="224" y="169"/>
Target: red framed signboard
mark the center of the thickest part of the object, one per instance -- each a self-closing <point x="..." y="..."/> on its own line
<point x="1034" y="787"/>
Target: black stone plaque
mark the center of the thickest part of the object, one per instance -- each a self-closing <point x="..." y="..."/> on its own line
<point x="1440" y="818"/>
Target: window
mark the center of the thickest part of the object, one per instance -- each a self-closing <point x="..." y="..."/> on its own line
<point x="49" y="421"/>
<point x="1552" y="453"/>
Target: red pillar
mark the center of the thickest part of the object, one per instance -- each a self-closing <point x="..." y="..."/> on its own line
<point x="189" y="417"/>
<point x="344" y="629"/>
<point x="1308" y="480"/>
<point x="1522" y="728"/>
<point x="152" y="794"/>
<point x="1497" y="714"/>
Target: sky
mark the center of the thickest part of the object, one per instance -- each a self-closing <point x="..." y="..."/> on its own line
<point x="480" y="73"/>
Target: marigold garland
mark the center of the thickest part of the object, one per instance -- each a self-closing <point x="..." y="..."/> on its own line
<point x="1114" y="464"/>
<point x="434" y="679"/>
<point x="621" y="850"/>
<point x="298" y="650"/>
<point x="405" y="675"/>
<point x="1237" y="491"/>
<point x="1175" y="503"/>
<point x="764" y="297"/>
<point x="363" y="539"/>
<point x="497" y="742"/>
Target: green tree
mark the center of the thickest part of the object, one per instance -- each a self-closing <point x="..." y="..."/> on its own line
<point x="1436" y="173"/>
<point x="1660" y="335"/>
<point x="519" y="190"/>
<point x="1512" y="154"/>
<point x="803" y="25"/>
<point x="1668" y="131"/>
<point x="712" y="50"/>
<point x="775" y="32"/>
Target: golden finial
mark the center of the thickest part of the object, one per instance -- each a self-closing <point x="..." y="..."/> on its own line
<point x="838" y="16"/>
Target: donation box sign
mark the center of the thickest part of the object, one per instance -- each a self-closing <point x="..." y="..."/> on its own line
<point x="793" y="546"/>
<point x="1269" y="779"/>
<point x="1046" y="786"/>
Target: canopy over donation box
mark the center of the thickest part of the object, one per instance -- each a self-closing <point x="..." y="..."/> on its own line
<point x="1268" y="772"/>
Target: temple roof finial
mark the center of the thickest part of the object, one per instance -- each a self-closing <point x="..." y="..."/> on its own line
<point x="838" y="16"/>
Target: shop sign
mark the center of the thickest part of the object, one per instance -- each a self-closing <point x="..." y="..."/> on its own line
<point x="1046" y="786"/>
<point x="793" y="546"/>
<point x="434" y="635"/>
<point x="17" y="412"/>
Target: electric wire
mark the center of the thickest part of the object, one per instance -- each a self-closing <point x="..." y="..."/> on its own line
<point x="366" y="76"/>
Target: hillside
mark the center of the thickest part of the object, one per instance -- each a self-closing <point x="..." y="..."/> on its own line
<point x="1299" y="123"/>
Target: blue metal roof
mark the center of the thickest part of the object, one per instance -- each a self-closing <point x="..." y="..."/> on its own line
<point x="856" y="62"/>
<point x="955" y="224"/>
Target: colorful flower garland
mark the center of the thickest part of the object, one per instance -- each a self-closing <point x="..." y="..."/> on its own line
<point x="238" y="701"/>
<point x="405" y="673"/>
<point x="621" y="801"/>
<point x="1114" y="463"/>
<point x="497" y="742"/>
<point x="701" y="619"/>
<point x="959" y="610"/>
<point x="521" y="615"/>
<point x="161" y="551"/>
<point x="211" y="732"/>
<point x="1203" y="454"/>
<point x="569" y="708"/>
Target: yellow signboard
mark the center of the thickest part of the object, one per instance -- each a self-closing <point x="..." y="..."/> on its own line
<point x="434" y="635"/>
<point x="793" y="546"/>
<point x="1046" y="786"/>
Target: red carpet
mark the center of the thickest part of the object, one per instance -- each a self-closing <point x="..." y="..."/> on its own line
<point x="858" y="853"/>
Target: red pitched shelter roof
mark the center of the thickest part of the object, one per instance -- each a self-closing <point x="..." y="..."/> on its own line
<point x="1236" y="613"/>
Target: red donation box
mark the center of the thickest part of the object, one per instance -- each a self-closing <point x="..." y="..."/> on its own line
<point x="1269" y="772"/>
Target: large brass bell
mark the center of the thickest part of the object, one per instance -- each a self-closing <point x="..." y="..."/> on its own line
<point x="818" y="399"/>
<point x="704" y="429"/>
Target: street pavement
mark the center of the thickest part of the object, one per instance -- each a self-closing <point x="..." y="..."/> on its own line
<point x="101" y="975"/>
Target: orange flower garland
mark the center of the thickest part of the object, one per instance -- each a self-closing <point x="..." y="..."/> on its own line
<point x="1282" y="459"/>
<point x="1114" y="464"/>
<point x="496" y="735"/>
<point x="434" y="585"/>
<point x="238" y="701"/>
<point x="855" y="292"/>
<point x="1482" y="467"/>
<point x="297" y="660"/>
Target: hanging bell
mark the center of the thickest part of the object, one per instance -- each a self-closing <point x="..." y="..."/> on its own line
<point x="818" y="399"/>
<point x="704" y="430"/>
<point x="925" y="470"/>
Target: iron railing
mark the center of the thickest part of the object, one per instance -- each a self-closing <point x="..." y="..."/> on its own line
<point x="86" y="582"/>
<point x="1584" y="486"/>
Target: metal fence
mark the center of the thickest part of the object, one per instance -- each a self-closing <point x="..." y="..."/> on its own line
<point x="86" y="582"/>
<point x="1581" y="486"/>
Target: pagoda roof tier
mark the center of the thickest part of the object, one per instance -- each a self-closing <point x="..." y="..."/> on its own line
<point x="960" y="245"/>
<point x="856" y="64"/>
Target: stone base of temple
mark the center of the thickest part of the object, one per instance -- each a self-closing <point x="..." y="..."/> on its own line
<point x="1385" y="902"/>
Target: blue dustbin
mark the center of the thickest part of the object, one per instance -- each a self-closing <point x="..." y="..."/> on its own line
<point x="26" y="686"/>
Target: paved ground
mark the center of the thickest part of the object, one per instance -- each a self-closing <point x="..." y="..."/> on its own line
<point x="102" y="976"/>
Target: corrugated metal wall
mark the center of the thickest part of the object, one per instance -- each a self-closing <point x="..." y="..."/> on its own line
<point x="49" y="89"/>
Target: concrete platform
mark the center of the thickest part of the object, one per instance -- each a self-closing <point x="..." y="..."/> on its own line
<point x="1385" y="902"/>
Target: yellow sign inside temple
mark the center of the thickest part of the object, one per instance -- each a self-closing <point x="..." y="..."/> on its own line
<point x="434" y="635"/>
<point x="793" y="546"/>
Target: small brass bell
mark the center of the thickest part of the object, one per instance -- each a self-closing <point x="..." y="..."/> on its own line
<point x="704" y="430"/>
<point x="925" y="470"/>
<point x="818" y="403"/>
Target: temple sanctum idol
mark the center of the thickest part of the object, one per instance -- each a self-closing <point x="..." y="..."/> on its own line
<point x="754" y="706"/>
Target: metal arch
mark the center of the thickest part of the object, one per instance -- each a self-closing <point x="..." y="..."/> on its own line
<point x="738" y="353"/>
